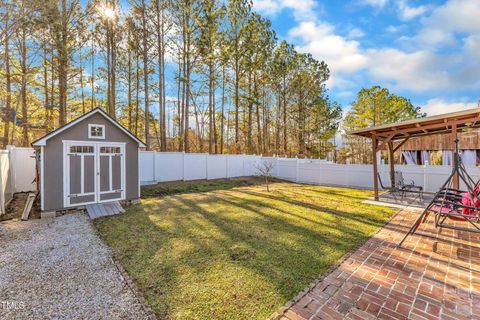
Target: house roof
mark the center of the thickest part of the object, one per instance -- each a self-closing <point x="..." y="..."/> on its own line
<point x="42" y="141"/>
<point x="423" y="126"/>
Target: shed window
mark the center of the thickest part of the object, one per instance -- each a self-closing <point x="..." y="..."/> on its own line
<point x="109" y="149"/>
<point x="96" y="131"/>
<point x="81" y="149"/>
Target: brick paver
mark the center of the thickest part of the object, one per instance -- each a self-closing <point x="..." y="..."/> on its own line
<point x="435" y="275"/>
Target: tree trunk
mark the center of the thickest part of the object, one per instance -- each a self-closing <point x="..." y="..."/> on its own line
<point x="259" y="126"/>
<point x="187" y="78"/>
<point x="63" y="66"/>
<point x="23" y="86"/>
<point x="8" y="88"/>
<point x="210" y="108"/>
<point x="129" y="95"/>
<point x="277" y="130"/>
<point x="137" y="93"/>
<point x="161" y="93"/>
<point x="223" y="110"/>
<point x="284" y="94"/>
<point x="237" y="100"/>
<point x="145" y="75"/>
<point x="180" y="103"/>
<point x="301" y="117"/>
<point x="109" y="71"/>
<point x="250" y="115"/>
<point x="113" y="93"/>
<point x="92" y="102"/>
<point x="45" y="87"/>
<point x="81" y="83"/>
<point x="50" y="120"/>
<point x="214" y="118"/>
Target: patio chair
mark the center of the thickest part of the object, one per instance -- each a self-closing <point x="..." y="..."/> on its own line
<point x="393" y="190"/>
<point x="404" y="187"/>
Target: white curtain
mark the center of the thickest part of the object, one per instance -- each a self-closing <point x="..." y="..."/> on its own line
<point x="447" y="158"/>
<point x="425" y="157"/>
<point x="469" y="157"/>
<point x="410" y="157"/>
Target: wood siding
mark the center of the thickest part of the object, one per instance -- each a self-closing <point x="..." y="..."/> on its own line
<point x="467" y="140"/>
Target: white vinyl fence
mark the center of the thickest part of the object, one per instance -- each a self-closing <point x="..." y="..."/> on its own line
<point x="173" y="166"/>
<point x="17" y="173"/>
<point x="17" y="170"/>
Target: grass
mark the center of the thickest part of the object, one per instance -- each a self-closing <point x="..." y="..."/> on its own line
<point x="181" y="187"/>
<point x="239" y="253"/>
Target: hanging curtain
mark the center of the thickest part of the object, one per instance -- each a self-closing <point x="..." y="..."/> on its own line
<point x="447" y="158"/>
<point x="469" y="157"/>
<point x="410" y="157"/>
<point x="425" y="157"/>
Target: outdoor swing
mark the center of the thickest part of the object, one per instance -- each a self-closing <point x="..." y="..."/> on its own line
<point x="452" y="204"/>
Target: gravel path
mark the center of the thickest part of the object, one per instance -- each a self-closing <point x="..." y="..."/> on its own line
<point x="60" y="269"/>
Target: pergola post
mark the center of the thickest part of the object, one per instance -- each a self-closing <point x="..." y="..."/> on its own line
<point x="454" y="137"/>
<point x="391" y="162"/>
<point x="375" y="166"/>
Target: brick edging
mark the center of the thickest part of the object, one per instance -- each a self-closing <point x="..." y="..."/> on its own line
<point x="136" y="292"/>
<point x="283" y="309"/>
<point x="126" y="277"/>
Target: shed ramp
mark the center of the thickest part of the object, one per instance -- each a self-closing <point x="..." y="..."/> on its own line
<point x="98" y="210"/>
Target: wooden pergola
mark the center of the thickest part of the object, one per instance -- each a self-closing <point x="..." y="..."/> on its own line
<point x="393" y="136"/>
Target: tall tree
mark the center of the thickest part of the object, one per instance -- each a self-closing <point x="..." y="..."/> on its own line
<point x="145" y="48"/>
<point x="6" y="17"/>
<point x="375" y="106"/>
<point x="238" y="12"/>
<point x="209" y="42"/>
<point x="162" y="27"/>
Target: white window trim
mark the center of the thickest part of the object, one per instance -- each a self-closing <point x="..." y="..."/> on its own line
<point x="90" y="125"/>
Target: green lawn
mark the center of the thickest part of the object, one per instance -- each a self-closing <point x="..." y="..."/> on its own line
<point x="239" y="253"/>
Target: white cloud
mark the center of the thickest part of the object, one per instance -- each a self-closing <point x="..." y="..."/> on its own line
<point x="356" y="33"/>
<point x="407" y="12"/>
<point x="302" y="10"/>
<point x="439" y="106"/>
<point x="455" y="16"/>
<point x="416" y="71"/>
<point x="419" y="67"/>
<point x="342" y="55"/>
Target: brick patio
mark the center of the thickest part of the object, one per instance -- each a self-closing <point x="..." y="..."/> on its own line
<point x="433" y="276"/>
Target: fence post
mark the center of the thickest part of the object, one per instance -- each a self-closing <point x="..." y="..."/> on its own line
<point x="243" y="164"/>
<point x="425" y="177"/>
<point x="297" y="164"/>
<point x="277" y="169"/>
<point x="11" y="168"/>
<point x="183" y="165"/>
<point x="226" y="166"/>
<point x="154" y="166"/>
<point x="206" y="165"/>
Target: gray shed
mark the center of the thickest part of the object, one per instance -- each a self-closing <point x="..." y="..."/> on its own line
<point x="92" y="159"/>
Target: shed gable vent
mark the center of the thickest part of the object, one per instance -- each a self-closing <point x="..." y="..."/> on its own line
<point x="96" y="131"/>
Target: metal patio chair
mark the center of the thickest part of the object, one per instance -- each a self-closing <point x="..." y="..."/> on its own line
<point x="404" y="187"/>
<point x="393" y="190"/>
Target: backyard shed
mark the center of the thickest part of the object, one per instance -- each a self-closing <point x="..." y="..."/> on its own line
<point x="92" y="159"/>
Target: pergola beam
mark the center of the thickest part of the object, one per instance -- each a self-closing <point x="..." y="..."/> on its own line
<point x="401" y="144"/>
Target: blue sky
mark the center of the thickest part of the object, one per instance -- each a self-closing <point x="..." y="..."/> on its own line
<point x="427" y="51"/>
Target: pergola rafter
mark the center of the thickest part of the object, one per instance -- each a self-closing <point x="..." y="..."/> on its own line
<point x="384" y="137"/>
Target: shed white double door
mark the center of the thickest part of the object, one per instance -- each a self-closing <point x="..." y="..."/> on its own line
<point x="94" y="172"/>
